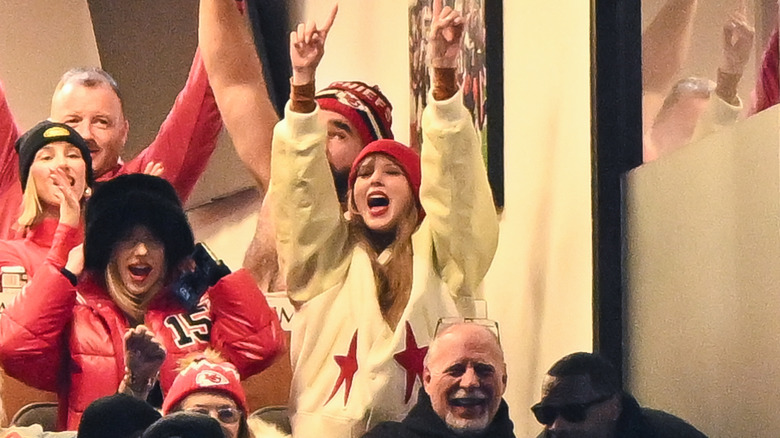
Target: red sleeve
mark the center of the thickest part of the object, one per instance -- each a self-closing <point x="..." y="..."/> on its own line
<point x="767" y="92"/>
<point x="245" y="328"/>
<point x="65" y="239"/>
<point x="10" y="187"/>
<point x="31" y="257"/>
<point x="32" y="329"/>
<point x="188" y="136"/>
<point x="10" y="254"/>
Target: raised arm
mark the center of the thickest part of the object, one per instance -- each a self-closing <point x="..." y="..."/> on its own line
<point x="665" y="45"/>
<point x="187" y="137"/>
<point x="725" y="106"/>
<point x="738" y="37"/>
<point x="455" y="191"/>
<point x="10" y="189"/>
<point x="9" y="133"/>
<point x="236" y="76"/>
<point x="311" y="234"/>
<point x="767" y="90"/>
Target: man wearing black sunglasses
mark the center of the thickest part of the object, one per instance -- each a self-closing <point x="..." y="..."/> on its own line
<point x="581" y="398"/>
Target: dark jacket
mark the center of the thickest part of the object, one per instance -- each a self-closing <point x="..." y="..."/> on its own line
<point x="638" y="422"/>
<point x="423" y="422"/>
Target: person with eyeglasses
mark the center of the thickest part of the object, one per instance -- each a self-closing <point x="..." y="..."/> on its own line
<point x="581" y="397"/>
<point x="210" y="385"/>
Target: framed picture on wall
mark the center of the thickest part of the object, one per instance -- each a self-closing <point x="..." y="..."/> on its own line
<point x="481" y="73"/>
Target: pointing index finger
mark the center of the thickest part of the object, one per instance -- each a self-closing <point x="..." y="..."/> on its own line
<point x="742" y="7"/>
<point x="437" y="7"/>
<point x="331" y="18"/>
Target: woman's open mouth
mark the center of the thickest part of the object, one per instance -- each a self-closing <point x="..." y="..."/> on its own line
<point x="378" y="204"/>
<point x="139" y="272"/>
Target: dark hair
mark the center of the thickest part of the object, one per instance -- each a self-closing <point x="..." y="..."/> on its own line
<point x="127" y="201"/>
<point x="603" y="376"/>
<point x="184" y="425"/>
<point x="116" y="416"/>
<point x="90" y="77"/>
<point x="243" y="423"/>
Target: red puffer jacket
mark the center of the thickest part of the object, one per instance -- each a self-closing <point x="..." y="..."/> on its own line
<point x="57" y="339"/>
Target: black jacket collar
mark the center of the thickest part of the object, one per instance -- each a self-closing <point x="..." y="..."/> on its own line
<point x="425" y="422"/>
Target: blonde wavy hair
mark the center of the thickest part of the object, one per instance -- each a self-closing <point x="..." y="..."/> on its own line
<point x="31" y="206"/>
<point x="391" y="258"/>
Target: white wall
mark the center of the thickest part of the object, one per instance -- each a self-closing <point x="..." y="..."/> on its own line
<point x="539" y="286"/>
<point x="32" y="57"/>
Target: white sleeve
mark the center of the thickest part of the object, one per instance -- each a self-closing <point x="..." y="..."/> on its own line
<point x="456" y="196"/>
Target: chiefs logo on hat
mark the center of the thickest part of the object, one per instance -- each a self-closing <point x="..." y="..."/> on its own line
<point x="202" y="375"/>
<point x="211" y="378"/>
<point x="350" y="99"/>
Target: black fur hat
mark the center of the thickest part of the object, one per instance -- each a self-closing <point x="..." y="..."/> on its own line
<point x="118" y="205"/>
<point x="117" y="416"/>
<point x="185" y="425"/>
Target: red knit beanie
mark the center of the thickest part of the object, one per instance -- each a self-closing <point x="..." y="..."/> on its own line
<point x="405" y="156"/>
<point x="364" y="106"/>
<point x="203" y="375"/>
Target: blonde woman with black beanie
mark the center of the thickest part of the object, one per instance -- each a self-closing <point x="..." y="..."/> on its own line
<point x="55" y="171"/>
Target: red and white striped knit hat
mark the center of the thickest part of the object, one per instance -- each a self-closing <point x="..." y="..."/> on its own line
<point x="363" y="105"/>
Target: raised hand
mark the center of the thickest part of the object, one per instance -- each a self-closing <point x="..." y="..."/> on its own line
<point x="70" y="201"/>
<point x="738" y="37"/>
<point x="144" y="354"/>
<point x="75" y="263"/>
<point x="446" y="37"/>
<point x="154" y="168"/>
<point x="307" y="45"/>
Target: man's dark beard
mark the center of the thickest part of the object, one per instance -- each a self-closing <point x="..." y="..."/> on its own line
<point x="341" y="180"/>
